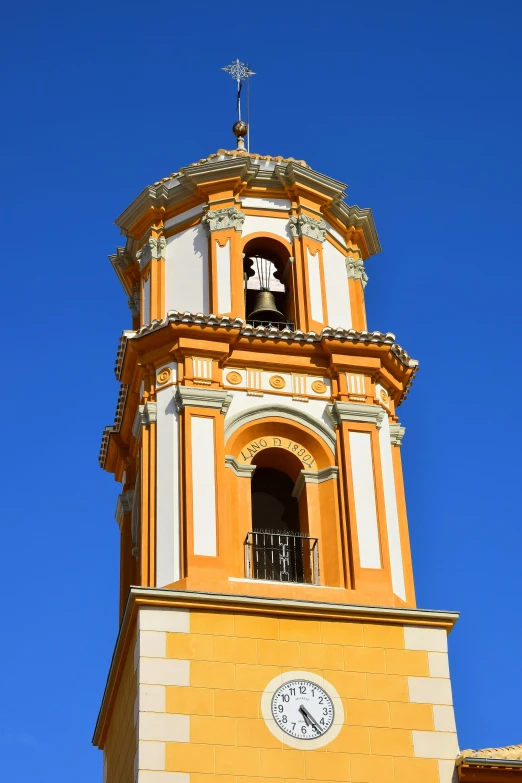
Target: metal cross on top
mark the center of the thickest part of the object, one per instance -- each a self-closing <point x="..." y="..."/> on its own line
<point x="240" y="72"/>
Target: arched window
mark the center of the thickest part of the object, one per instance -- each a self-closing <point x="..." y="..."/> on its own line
<point x="267" y="282"/>
<point x="274" y="508"/>
<point x="278" y="546"/>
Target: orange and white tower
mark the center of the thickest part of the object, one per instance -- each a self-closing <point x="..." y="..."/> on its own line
<point x="268" y="620"/>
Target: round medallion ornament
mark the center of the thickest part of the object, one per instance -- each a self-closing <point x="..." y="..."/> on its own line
<point x="319" y="387"/>
<point x="164" y="375"/>
<point x="277" y="382"/>
<point x="234" y="378"/>
<point x="384" y="395"/>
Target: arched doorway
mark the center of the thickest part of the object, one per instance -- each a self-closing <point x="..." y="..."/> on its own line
<point x="278" y="547"/>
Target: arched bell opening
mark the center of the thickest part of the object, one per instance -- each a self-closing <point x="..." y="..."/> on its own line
<point x="267" y="283"/>
<point x="278" y="548"/>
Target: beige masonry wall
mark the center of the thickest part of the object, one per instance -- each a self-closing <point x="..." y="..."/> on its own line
<point x="120" y="745"/>
<point x="201" y="676"/>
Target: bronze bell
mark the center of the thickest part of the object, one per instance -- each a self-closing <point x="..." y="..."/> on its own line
<point x="265" y="308"/>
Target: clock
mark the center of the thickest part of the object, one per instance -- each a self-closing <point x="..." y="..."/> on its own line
<point x="303" y="709"/>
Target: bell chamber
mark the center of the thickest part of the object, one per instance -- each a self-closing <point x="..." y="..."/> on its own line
<point x="262" y="290"/>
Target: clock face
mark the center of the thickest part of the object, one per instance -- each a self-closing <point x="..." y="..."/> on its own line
<point x="302" y="709"/>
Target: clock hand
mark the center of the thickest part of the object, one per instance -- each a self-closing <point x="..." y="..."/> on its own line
<point x="304" y="713"/>
<point x="310" y="718"/>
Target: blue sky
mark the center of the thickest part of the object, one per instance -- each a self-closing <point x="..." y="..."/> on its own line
<point x="417" y="107"/>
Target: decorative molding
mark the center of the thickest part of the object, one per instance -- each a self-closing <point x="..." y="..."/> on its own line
<point x="354" y="411"/>
<point x="396" y="434"/>
<point x="134" y="302"/>
<point x="145" y="415"/>
<point x="304" y="226"/>
<point x="355" y="268"/>
<point x="277" y="382"/>
<point x="319" y="387"/>
<point x="194" y="397"/>
<point x="124" y="505"/>
<point x="148" y="413"/>
<point x="285" y="412"/>
<point x="314" y="477"/>
<point x="234" y="378"/>
<point x="153" y="248"/>
<point x="164" y="375"/>
<point x="242" y="471"/>
<point x="219" y="219"/>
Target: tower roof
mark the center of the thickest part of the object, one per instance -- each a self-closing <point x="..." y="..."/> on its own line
<point x="257" y="172"/>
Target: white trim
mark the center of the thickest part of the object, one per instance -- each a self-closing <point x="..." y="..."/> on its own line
<point x="189" y="213"/>
<point x="203" y="486"/>
<point x="367" y="525"/>
<point x="276" y="582"/>
<point x="234" y="422"/>
<point x="224" y="293"/>
<point x="392" y="516"/>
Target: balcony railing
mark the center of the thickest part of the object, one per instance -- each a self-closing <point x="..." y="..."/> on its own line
<point x="277" y="324"/>
<point x="282" y="557"/>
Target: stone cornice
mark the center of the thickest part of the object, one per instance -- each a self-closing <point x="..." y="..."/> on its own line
<point x="195" y="397"/>
<point x="242" y="471"/>
<point x="314" y="477"/>
<point x="217" y="602"/>
<point x="121" y="261"/>
<point x="354" y="411"/>
<point x="282" y="173"/>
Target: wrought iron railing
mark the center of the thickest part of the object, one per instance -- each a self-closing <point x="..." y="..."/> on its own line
<point x="277" y="324"/>
<point x="282" y="557"/>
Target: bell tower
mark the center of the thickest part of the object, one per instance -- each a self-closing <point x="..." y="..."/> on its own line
<point x="268" y="624"/>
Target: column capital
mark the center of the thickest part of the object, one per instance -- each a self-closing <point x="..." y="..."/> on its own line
<point x="219" y="219"/>
<point x="194" y="397"/>
<point x="134" y="302"/>
<point x="396" y="434"/>
<point x="153" y="248"/>
<point x="146" y="414"/>
<point x="355" y="269"/>
<point x="354" y="411"/>
<point x="124" y="505"/>
<point x="305" y="226"/>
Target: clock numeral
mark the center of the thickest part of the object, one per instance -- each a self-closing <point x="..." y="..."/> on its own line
<point x="325" y="710"/>
<point x="302" y="689"/>
<point x="285" y="697"/>
<point x="293" y="726"/>
<point x="280" y="707"/>
<point x="292" y="691"/>
<point x="321" y="699"/>
<point x="303" y="730"/>
<point x="285" y="719"/>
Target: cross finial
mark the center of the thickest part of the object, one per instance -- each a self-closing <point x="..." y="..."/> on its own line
<point x="240" y="72"/>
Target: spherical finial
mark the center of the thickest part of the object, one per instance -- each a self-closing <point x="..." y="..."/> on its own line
<point x="240" y="129"/>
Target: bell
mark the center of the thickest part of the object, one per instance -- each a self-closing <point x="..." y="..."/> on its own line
<point x="265" y="308"/>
